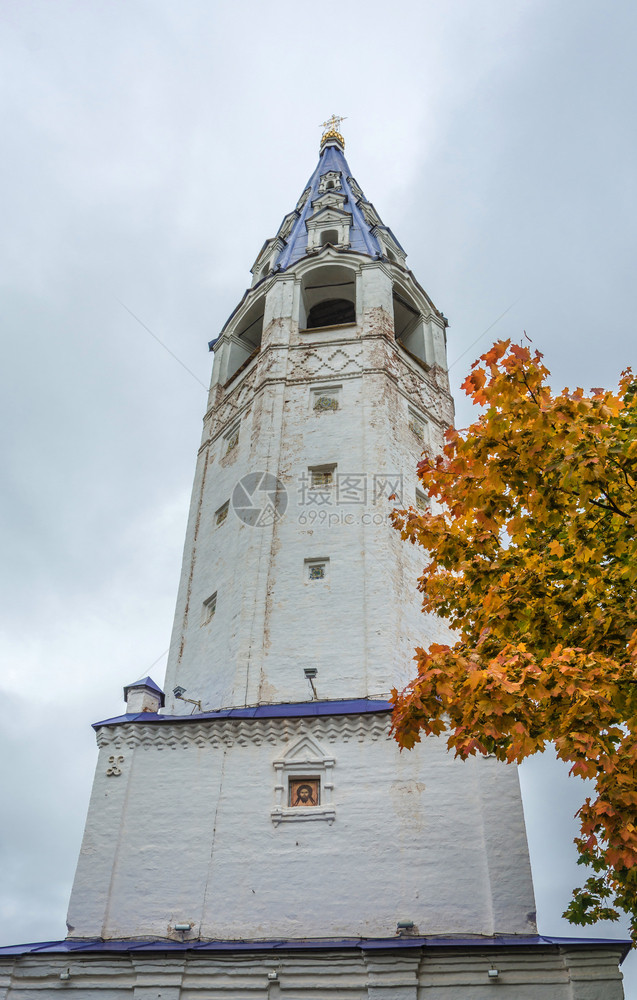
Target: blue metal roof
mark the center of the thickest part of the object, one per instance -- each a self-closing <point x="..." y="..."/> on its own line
<point x="361" y="238"/>
<point x="293" y="246"/>
<point x="304" y="709"/>
<point x="98" y="945"/>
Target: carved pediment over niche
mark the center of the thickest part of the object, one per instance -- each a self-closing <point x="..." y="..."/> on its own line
<point x="304" y="784"/>
<point x="305" y="751"/>
<point x="330" y="215"/>
<point x="331" y="199"/>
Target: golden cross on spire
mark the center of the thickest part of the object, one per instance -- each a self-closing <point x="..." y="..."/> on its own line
<point x="331" y="129"/>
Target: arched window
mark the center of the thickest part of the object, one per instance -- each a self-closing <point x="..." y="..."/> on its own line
<point x="328" y="297"/>
<point x="409" y="324"/>
<point x="244" y="341"/>
<point x="329" y="236"/>
<point x="332" y="312"/>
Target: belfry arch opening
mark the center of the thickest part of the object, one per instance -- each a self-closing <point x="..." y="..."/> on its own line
<point x="245" y="341"/>
<point x="409" y="324"/>
<point x="328" y="297"/>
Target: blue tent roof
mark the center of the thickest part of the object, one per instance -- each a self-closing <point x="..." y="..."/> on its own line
<point x="292" y="238"/>
<point x="145" y="682"/>
<point x="361" y="236"/>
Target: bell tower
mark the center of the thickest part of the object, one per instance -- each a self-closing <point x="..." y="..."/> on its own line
<point x="297" y="612"/>
<point x="254" y="830"/>
<point x="329" y="379"/>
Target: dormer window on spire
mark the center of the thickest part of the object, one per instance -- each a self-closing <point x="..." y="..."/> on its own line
<point x="266" y="259"/>
<point x="301" y="202"/>
<point x="390" y="246"/>
<point x="287" y="225"/>
<point x="330" y="220"/>
<point x="356" y="188"/>
<point x="331" y="181"/>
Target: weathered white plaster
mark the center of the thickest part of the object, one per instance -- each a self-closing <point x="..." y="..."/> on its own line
<point x="359" y="630"/>
<point x="142" y="700"/>
<point x="186" y="833"/>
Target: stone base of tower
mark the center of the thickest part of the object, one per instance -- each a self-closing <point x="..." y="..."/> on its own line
<point x="295" y="821"/>
<point x="533" y="968"/>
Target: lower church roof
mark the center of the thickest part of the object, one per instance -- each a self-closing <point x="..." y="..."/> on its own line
<point x="309" y="709"/>
<point x="98" y="945"/>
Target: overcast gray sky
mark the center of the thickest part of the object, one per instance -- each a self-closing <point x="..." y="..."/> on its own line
<point x="151" y="147"/>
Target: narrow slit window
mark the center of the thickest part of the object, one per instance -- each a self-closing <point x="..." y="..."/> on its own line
<point x="222" y="514"/>
<point x="209" y="608"/>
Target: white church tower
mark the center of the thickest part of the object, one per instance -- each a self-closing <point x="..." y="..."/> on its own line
<point x="255" y="832"/>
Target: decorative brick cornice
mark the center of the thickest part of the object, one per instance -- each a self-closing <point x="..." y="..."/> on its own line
<point x="218" y="733"/>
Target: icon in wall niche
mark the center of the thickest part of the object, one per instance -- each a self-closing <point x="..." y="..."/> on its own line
<point x="304" y="792"/>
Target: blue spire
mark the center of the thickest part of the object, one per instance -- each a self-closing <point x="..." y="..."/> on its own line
<point x="292" y="238"/>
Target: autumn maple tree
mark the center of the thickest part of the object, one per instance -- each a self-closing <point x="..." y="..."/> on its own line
<point x="531" y="556"/>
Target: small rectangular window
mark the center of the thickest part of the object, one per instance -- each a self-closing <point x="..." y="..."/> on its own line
<point x="322" y="476"/>
<point x="222" y="514"/>
<point x="316" y="569"/>
<point x="209" y="608"/>
<point x="232" y="439"/>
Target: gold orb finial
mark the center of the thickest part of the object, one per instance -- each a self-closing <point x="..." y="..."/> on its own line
<point x="331" y="130"/>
